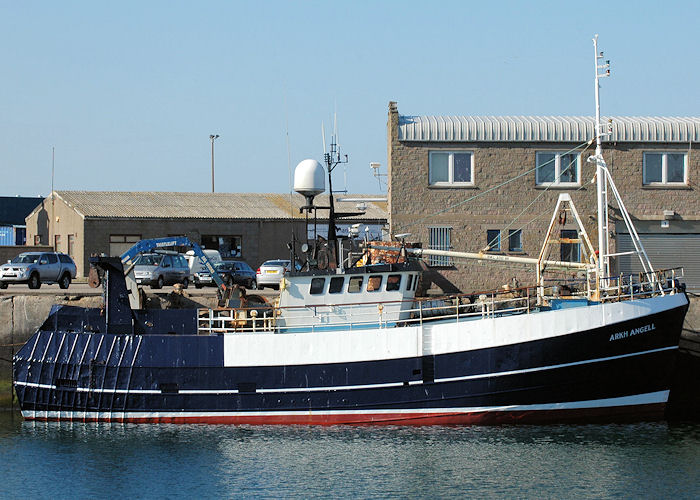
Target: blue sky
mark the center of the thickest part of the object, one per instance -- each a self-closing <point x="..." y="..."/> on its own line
<point x="128" y="92"/>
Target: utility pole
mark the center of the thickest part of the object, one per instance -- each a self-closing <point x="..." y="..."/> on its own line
<point x="212" y="137"/>
<point x="52" y="221"/>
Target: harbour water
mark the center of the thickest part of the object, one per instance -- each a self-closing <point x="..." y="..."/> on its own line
<point x="77" y="460"/>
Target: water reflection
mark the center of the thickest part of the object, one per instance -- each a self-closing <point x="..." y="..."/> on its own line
<point x="139" y="460"/>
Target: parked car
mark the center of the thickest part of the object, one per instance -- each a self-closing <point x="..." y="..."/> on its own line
<point x="158" y="269"/>
<point x="272" y="271"/>
<point x="196" y="263"/>
<point x="35" y="268"/>
<point x="231" y="272"/>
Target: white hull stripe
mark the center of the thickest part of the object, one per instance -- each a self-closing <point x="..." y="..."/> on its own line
<point x="554" y="367"/>
<point x="640" y="399"/>
<point x="355" y="387"/>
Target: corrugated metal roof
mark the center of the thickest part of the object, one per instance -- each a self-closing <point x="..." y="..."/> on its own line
<point x="150" y="204"/>
<point x="545" y="129"/>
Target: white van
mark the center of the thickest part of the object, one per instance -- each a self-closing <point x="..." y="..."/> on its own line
<point x="196" y="263"/>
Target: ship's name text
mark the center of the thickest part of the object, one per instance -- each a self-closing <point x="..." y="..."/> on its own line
<point x="631" y="333"/>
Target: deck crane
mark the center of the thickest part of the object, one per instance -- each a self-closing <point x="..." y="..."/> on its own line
<point x="155" y="244"/>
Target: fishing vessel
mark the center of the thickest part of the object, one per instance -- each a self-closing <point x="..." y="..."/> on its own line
<point x="348" y="341"/>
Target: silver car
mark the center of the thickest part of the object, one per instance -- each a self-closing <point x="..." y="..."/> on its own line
<point x="35" y="268"/>
<point x="158" y="269"/>
<point x="272" y="271"/>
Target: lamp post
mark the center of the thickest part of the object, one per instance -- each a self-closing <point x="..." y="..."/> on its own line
<point x="212" y="137"/>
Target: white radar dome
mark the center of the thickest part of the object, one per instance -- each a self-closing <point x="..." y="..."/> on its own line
<point x="309" y="178"/>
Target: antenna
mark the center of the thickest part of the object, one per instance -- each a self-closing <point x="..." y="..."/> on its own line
<point x="337" y="141"/>
<point x="374" y="166"/>
<point x="323" y="137"/>
<point x="289" y="167"/>
<point x="332" y="160"/>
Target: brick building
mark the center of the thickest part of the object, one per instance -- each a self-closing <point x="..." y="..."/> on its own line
<point x="491" y="183"/>
<point x="251" y="226"/>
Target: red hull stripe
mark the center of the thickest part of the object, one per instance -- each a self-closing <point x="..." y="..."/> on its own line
<point x="588" y="415"/>
<point x="641" y="407"/>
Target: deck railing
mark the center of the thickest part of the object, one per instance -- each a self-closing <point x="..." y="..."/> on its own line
<point x="419" y="311"/>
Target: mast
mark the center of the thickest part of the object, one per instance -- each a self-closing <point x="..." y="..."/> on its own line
<point x="601" y="178"/>
<point x="332" y="159"/>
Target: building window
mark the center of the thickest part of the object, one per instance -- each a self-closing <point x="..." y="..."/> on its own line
<point x="558" y="169"/>
<point x="71" y="245"/>
<point x="665" y="168"/>
<point x="120" y="243"/>
<point x="37" y="239"/>
<point x="493" y="240"/>
<point x="515" y="240"/>
<point x="570" y="246"/>
<point x="228" y="246"/>
<point x="57" y="242"/>
<point x="439" y="238"/>
<point x="451" y="168"/>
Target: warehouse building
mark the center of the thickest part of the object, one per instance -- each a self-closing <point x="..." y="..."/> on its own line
<point x="250" y="226"/>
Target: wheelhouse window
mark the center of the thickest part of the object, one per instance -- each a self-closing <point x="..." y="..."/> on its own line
<point x="493" y="240"/>
<point x="515" y="240"/>
<point x="451" y="168"/>
<point x="570" y="246"/>
<point x="374" y="283"/>
<point x="393" y="282"/>
<point x="409" y="282"/>
<point x="557" y="168"/>
<point x="336" y="285"/>
<point x="439" y="238"/>
<point x="665" y="169"/>
<point x="355" y="284"/>
<point x="317" y="285"/>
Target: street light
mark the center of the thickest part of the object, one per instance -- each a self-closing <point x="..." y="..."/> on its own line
<point x="212" y="137"/>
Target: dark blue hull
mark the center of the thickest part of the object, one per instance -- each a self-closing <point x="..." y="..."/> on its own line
<point x="176" y="377"/>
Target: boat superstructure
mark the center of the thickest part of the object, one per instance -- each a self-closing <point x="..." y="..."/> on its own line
<point x="349" y="341"/>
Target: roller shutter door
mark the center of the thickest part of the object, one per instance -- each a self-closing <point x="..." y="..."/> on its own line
<point x="665" y="251"/>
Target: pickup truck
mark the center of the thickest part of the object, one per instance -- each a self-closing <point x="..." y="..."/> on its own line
<point x="35" y="268"/>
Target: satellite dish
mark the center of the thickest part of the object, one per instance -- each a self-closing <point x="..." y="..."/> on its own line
<point x="309" y="179"/>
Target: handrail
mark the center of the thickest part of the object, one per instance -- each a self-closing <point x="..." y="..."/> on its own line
<point x="462" y="307"/>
